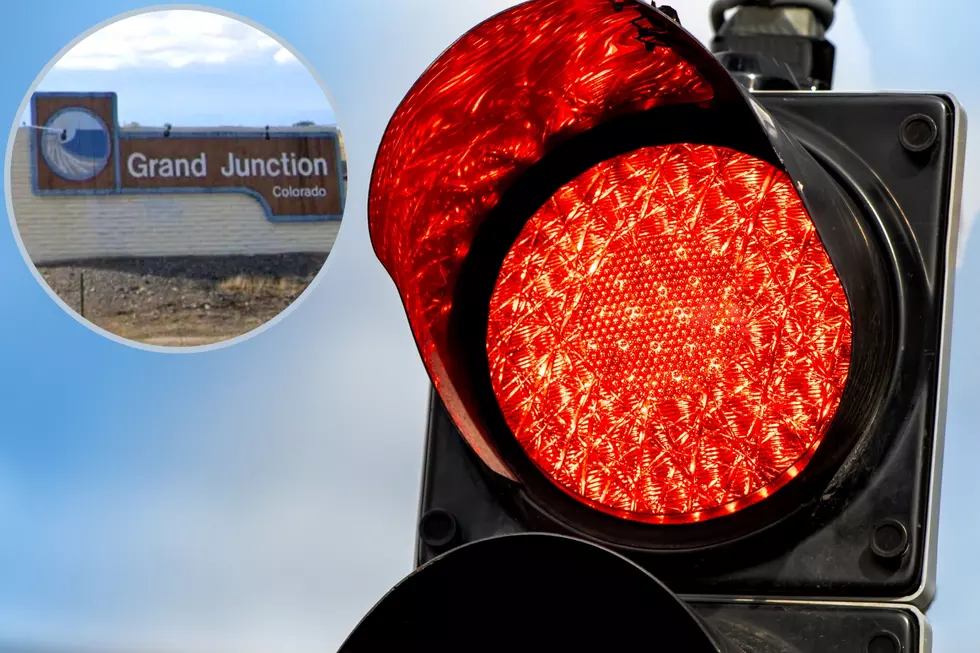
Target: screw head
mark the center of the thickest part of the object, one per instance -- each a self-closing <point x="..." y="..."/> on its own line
<point x="438" y="528"/>
<point x="889" y="539"/>
<point x="918" y="133"/>
<point x="884" y="642"/>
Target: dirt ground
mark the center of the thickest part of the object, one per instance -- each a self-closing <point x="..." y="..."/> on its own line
<point x="182" y="302"/>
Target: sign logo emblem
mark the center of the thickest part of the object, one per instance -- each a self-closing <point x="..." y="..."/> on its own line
<point x="76" y="144"/>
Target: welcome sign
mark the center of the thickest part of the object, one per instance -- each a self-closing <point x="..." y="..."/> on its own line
<point x="77" y="148"/>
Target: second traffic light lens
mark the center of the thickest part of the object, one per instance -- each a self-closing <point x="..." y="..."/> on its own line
<point x="668" y="339"/>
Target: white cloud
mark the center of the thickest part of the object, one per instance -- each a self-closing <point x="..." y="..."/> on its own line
<point x="172" y="39"/>
<point x="283" y="55"/>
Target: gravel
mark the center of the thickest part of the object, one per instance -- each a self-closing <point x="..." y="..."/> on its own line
<point x="198" y="297"/>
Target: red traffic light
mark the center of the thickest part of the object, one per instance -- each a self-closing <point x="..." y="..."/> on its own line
<point x="668" y="339"/>
<point x="665" y="332"/>
<point x="693" y="323"/>
<point x="703" y="327"/>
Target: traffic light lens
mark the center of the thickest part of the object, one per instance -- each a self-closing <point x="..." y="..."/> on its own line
<point x="668" y="339"/>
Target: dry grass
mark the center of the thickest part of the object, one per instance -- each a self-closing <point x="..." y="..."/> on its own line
<point x="261" y="285"/>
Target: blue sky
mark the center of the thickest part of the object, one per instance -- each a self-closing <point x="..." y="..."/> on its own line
<point x="262" y="497"/>
<point x="192" y="68"/>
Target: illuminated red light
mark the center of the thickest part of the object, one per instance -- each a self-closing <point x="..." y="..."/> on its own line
<point x="492" y="105"/>
<point x="668" y="339"/>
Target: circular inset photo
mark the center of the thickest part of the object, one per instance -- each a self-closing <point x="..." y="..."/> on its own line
<point x="177" y="178"/>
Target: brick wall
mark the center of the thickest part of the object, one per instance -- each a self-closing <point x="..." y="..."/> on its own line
<point x="68" y="228"/>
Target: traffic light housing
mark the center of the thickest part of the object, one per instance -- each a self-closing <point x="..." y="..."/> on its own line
<point x="704" y="329"/>
<point x="891" y="481"/>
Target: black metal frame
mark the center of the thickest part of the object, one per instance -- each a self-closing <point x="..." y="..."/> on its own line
<point x="886" y="248"/>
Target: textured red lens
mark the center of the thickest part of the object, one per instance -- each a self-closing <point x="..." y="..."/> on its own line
<point x="496" y="102"/>
<point x="668" y="339"/>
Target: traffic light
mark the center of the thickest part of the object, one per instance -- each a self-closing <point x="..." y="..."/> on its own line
<point x="686" y="340"/>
